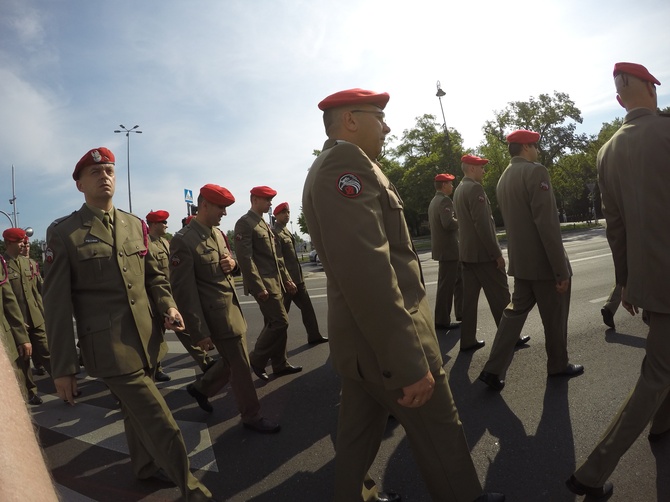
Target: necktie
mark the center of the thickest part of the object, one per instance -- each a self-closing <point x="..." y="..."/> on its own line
<point x="106" y="220"/>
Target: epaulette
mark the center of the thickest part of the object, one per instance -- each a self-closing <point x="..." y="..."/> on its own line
<point x="63" y="218"/>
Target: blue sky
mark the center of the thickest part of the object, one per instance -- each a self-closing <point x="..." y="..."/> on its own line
<point x="226" y="91"/>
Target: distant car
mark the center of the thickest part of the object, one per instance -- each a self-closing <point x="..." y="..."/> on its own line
<point x="313" y="256"/>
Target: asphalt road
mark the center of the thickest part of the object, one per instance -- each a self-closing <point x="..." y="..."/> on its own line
<point x="525" y="441"/>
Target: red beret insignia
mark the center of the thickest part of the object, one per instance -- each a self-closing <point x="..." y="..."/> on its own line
<point x="544" y="186"/>
<point x="349" y="185"/>
<point x="49" y="255"/>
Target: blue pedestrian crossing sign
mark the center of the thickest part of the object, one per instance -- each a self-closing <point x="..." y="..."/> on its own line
<point x="188" y="196"/>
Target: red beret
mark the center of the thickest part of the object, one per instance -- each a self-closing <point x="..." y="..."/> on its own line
<point x="637" y="70"/>
<point x="473" y="160"/>
<point x="523" y="136"/>
<point x="157" y="216"/>
<point x="217" y="195"/>
<point x="14" y="235"/>
<point x="280" y="208"/>
<point x="445" y="177"/>
<point x="263" y="191"/>
<point x="188" y="219"/>
<point x="355" y="97"/>
<point x="100" y="155"/>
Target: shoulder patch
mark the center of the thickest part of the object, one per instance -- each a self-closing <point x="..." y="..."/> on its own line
<point x="481" y="198"/>
<point x="49" y="255"/>
<point x="349" y="185"/>
<point x="175" y="261"/>
<point x="544" y="186"/>
<point x="238" y="237"/>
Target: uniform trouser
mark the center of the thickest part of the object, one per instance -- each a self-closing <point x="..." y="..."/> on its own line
<point x="199" y="355"/>
<point x="649" y="401"/>
<point x="434" y="431"/>
<point x="553" y="307"/>
<point x="271" y="342"/>
<point x="38" y="339"/>
<point x="449" y="290"/>
<point x="614" y="299"/>
<point x="154" y="439"/>
<point x="478" y="276"/>
<point x="233" y="366"/>
<point x="304" y="303"/>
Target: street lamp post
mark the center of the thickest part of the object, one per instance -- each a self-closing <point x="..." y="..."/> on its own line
<point x="128" y="131"/>
<point x="439" y="95"/>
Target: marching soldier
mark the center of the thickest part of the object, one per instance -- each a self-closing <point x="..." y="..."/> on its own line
<point x="99" y="271"/>
<point x="265" y="277"/>
<point x="537" y="261"/>
<point x="481" y="257"/>
<point x="444" y="249"/>
<point x="24" y="284"/>
<point x="286" y="246"/>
<point x="159" y="246"/>
<point x="201" y="268"/>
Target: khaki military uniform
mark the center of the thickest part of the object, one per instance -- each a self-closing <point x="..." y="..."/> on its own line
<point x="635" y="210"/>
<point x="24" y="284"/>
<point x="479" y="250"/>
<point x="537" y="261"/>
<point x="286" y="247"/>
<point x="262" y="269"/>
<point x="160" y="248"/>
<point x="380" y="327"/>
<point x="207" y="299"/>
<point x="103" y="280"/>
<point x="12" y="328"/>
<point x="444" y="248"/>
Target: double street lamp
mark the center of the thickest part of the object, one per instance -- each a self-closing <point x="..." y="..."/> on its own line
<point x="128" y="131"/>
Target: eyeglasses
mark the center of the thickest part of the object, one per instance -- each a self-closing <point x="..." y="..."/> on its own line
<point x="381" y="116"/>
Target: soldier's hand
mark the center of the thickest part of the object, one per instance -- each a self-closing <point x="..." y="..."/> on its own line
<point x="206" y="344"/>
<point x="291" y="288"/>
<point x="174" y="320"/>
<point x="227" y="264"/>
<point x="562" y="286"/>
<point x="418" y="393"/>
<point x="25" y="350"/>
<point x="632" y="309"/>
<point x="263" y="295"/>
<point x="500" y="262"/>
<point x="66" y="388"/>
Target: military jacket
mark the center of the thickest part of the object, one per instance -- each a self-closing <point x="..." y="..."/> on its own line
<point x="205" y="295"/>
<point x="24" y="285"/>
<point x="255" y="247"/>
<point x="380" y="323"/>
<point x="528" y="207"/>
<point x="634" y="180"/>
<point x="160" y="248"/>
<point x="286" y="247"/>
<point x="104" y="282"/>
<point x="12" y="328"/>
<point x="477" y="241"/>
<point x="443" y="228"/>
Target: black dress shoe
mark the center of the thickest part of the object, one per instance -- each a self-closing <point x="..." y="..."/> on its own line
<point x="35" y="400"/>
<point x="523" y="340"/>
<point x="40" y="371"/>
<point x="599" y="493"/>
<point x="570" y="370"/>
<point x="608" y="317"/>
<point x="318" y="341"/>
<point x="387" y="497"/>
<point x="478" y="345"/>
<point x="656" y="437"/>
<point x="490" y="497"/>
<point x="260" y="373"/>
<point x="203" y="400"/>
<point x="161" y="376"/>
<point x="262" y="425"/>
<point x="493" y="381"/>
<point x="289" y="370"/>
